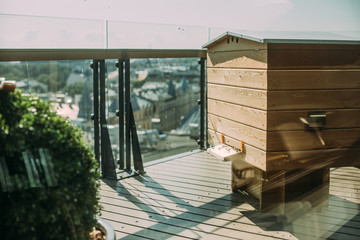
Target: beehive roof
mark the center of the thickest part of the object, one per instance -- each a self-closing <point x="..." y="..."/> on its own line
<point x="312" y="37"/>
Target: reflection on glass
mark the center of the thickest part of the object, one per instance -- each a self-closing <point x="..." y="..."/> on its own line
<point x="67" y="84"/>
<point x="155" y="36"/>
<point x="48" y="32"/>
<point x="164" y="94"/>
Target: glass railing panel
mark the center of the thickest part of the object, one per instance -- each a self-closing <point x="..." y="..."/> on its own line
<point x="163" y="95"/>
<point x="48" y="32"/>
<point x="66" y="84"/>
<point x="168" y="90"/>
<point x="155" y="36"/>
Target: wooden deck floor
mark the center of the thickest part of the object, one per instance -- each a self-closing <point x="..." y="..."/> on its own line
<point x="190" y="197"/>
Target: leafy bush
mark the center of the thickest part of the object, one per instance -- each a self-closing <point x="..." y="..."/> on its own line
<point x="28" y="123"/>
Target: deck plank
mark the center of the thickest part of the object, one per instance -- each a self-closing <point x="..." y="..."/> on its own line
<point x="190" y="197"/>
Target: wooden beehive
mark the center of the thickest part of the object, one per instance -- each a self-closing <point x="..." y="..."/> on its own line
<point x="265" y="93"/>
<point x="261" y="91"/>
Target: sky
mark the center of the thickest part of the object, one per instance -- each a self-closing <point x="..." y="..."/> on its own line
<point x="255" y="15"/>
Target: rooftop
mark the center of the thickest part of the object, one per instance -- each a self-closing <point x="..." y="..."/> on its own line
<point x="309" y="37"/>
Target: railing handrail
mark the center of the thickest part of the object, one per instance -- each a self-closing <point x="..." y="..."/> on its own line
<point x="16" y="54"/>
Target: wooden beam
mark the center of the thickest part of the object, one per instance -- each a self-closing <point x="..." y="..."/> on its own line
<point x="236" y="95"/>
<point x="313" y="79"/>
<point x="246" y="78"/>
<point x="289" y="160"/>
<point x="314" y="58"/>
<point x="308" y="140"/>
<point x="249" y="116"/>
<point x="291" y="119"/>
<point x="313" y="99"/>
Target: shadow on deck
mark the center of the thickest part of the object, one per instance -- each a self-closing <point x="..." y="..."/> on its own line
<point x="189" y="197"/>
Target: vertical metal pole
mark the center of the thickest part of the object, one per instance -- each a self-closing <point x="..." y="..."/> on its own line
<point x="95" y="67"/>
<point x="102" y="114"/>
<point x="127" y="114"/>
<point x="120" y="66"/>
<point x="206" y="143"/>
<point x="107" y="158"/>
<point x="202" y="104"/>
<point x="138" y="163"/>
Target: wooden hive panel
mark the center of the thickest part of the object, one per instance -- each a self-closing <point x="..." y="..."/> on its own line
<point x="313" y="56"/>
<point x="304" y="78"/>
<point x="319" y="79"/>
<point x="237" y="113"/>
<point x="237" y="53"/>
<point x="237" y="99"/>
<point x="252" y="98"/>
<point x="246" y="78"/>
<point x="313" y="99"/>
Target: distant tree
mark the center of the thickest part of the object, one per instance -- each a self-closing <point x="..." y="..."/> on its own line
<point x="74" y="88"/>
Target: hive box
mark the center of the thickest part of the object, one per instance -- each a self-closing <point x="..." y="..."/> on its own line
<point x="294" y="103"/>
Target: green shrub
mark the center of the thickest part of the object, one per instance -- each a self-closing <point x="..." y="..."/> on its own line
<point x="28" y="123"/>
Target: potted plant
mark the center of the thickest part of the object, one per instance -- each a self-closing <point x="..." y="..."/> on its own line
<point x="49" y="174"/>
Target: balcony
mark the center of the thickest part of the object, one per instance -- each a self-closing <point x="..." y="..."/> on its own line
<point x="165" y="187"/>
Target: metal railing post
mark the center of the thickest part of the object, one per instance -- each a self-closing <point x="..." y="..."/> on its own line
<point x="107" y="158"/>
<point x="202" y="102"/>
<point x="102" y="113"/>
<point x="121" y="113"/>
<point x="127" y="114"/>
<point x="95" y="116"/>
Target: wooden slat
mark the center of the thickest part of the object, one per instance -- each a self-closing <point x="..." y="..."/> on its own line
<point x="133" y="231"/>
<point x="314" y="229"/>
<point x="207" y="179"/>
<point x="145" y="225"/>
<point x="147" y="196"/>
<point x="156" y="200"/>
<point x="303" y="159"/>
<point x="312" y="79"/>
<point x="217" y="185"/>
<point x="346" y="170"/>
<point x="252" y="59"/>
<point x="206" y="218"/>
<point x="308" y="140"/>
<point x="315" y="99"/>
<point x="124" y="235"/>
<point x="204" y="161"/>
<point x="241" y="114"/>
<point x="347" y="192"/>
<point x="291" y="119"/>
<point x="241" y="96"/>
<point x="210" y="174"/>
<point x="187" y="212"/>
<point x="312" y="57"/>
<point x="200" y="190"/>
<point x="198" y="164"/>
<point x="252" y="136"/>
<point x="197" y="223"/>
<point x="187" y="198"/>
<point x="346" y="176"/>
<point x="246" y="78"/>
